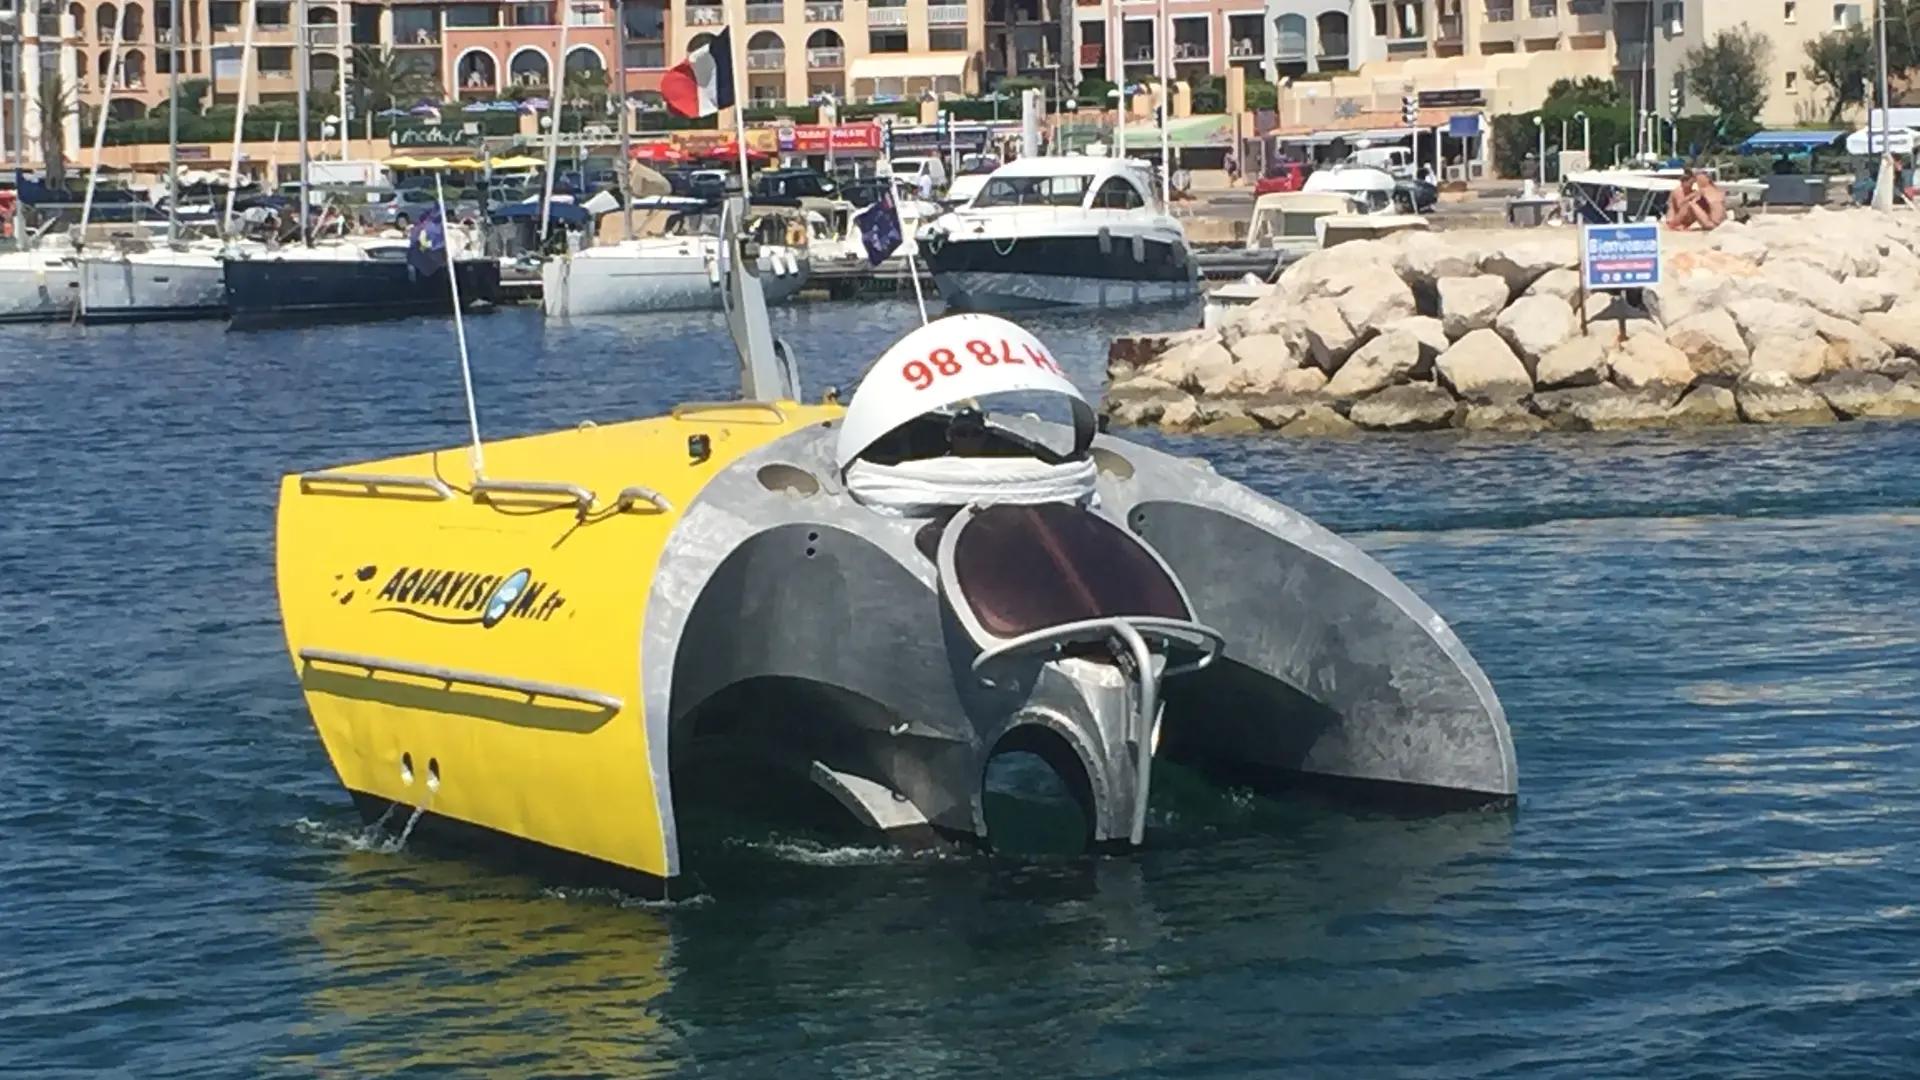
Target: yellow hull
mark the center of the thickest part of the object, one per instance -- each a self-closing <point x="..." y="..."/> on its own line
<point x="476" y="654"/>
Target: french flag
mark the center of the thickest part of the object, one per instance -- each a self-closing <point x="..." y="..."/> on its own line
<point x="702" y="84"/>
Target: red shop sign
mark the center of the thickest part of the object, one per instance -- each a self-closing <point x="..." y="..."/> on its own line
<point x="817" y="138"/>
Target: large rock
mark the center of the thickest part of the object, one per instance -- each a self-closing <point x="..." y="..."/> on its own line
<point x="1774" y="400"/>
<point x="1527" y="258"/>
<point x="1275" y="411"/>
<point x="1796" y="279"/>
<point x="1696" y="281"/>
<point x="1603" y="408"/>
<point x="1471" y="303"/>
<point x="1320" y="420"/>
<point x="1379" y="364"/>
<point x="1902" y="402"/>
<point x="1762" y="319"/>
<point x="1712" y="343"/>
<point x="1853" y="394"/>
<point x="1190" y="362"/>
<point x="1851" y="347"/>
<point x="1330" y="338"/>
<point x="1481" y="368"/>
<point x="1646" y="361"/>
<point x="1580" y="361"/>
<point x="1420" y="406"/>
<point x="1559" y="282"/>
<point x="1377" y="300"/>
<point x="1899" y="328"/>
<point x="1535" y="326"/>
<point x="1423" y="259"/>
<point x="1306" y="380"/>
<point x="1181" y="414"/>
<point x="1794" y="358"/>
<point x="1510" y="417"/>
<point x="1431" y="334"/>
<point x="1705" y="406"/>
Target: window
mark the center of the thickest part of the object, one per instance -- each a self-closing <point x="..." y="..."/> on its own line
<point x="1117" y="194"/>
<point x="887" y="41"/>
<point x="1674" y="15"/>
<point x="946" y="41"/>
<point x="1793" y="82"/>
<point x="1379" y="20"/>
<point x="275" y="60"/>
<point x="1032" y="191"/>
<point x="1792" y="11"/>
<point x="1846" y="16"/>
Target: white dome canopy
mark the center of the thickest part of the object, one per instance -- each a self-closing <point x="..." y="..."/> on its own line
<point x="948" y="361"/>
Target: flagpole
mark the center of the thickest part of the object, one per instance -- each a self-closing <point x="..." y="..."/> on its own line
<point x="913" y="269"/>
<point x="736" y="59"/>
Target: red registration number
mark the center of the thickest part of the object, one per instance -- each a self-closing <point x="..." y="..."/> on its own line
<point x="945" y="362"/>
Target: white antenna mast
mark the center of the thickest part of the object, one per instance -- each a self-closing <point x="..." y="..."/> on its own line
<point x="460" y="333"/>
<point x="239" y="116"/>
<point x="100" y="128"/>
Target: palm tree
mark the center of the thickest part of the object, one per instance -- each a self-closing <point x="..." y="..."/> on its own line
<point x="383" y="81"/>
<point x="586" y="90"/>
<point x="56" y="105"/>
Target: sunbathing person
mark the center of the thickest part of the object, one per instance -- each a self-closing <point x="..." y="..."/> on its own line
<point x="1698" y="203"/>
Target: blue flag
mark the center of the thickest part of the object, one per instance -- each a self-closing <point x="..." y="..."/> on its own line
<point x="880" y="228"/>
<point x="427" y="244"/>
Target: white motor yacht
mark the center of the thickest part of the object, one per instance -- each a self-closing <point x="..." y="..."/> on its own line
<point x="39" y="285"/>
<point x="1052" y="231"/>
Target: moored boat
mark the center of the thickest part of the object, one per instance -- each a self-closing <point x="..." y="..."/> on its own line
<point x="352" y="278"/>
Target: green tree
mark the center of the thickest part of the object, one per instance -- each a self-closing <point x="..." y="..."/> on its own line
<point x="1842" y="63"/>
<point x="1729" y="73"/>
<point x="382" y="80"/>
<point x="1591" y="92"/>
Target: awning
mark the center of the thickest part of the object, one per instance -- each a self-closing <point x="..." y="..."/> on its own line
<point x="1185" y="133"/>
<point x="1789" y="140"/>
<point x="901" y="66"/>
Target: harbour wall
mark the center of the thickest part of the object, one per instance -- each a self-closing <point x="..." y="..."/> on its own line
<point x="1808" y="319"/>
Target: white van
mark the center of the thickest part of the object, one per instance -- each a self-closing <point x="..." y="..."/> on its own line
<point x="1396" y="160"/>
<point x="909" y="170"/>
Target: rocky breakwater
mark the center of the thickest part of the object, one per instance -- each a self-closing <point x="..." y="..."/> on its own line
<point x="1803" y="319"/>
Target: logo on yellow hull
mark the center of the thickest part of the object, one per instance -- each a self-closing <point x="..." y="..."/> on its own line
<point x="466" y="597"/>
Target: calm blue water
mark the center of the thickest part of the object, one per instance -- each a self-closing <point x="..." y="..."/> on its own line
<point x="1708" y="645"/>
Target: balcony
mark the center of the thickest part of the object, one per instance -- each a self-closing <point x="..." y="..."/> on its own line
<point x="1291" y="46"/>
<point x="1543" y="9"/>
<point x="825" y="13"/>
<point x="1631" y="55"/>
<point x="1191" y="51"/>
<point x="766" y="59"/>
<point x="646" y="56"/>
<point x="1452" y="30"/>
<point x="946" y="14"/>
<point x="1334" y="47"/>
<point x="706" y="15"/>
<point x="1500" y="13"/>
<point x="1586" y="7"/>
<point x="1249" y="49"/>
<point x="766" y="13"/>
<point x="887" y="17"/>
<point x="826" y="59"/>
<point x="418" y="37"/>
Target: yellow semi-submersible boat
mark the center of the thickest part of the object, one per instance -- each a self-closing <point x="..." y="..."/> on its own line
<point x="560" y="641"/>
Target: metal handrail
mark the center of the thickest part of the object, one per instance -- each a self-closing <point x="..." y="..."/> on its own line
<point x="688" y="408"/>
<point x="451" y="676"/>
<point x="1180" y="631"/>
<point x="639" y="493"/>
<point x="372" y="482"/>
<point x="488" y="490"/>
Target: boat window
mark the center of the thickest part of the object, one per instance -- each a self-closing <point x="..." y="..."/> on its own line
<point x="1032" y="191"/>
<point x="1117" y="194"/>
<point x="1025" y="568"/>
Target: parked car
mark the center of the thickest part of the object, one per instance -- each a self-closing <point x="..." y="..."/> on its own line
<point x="1282" y="177"/>
<point x="792" y="184"/>
<point x="1415" y="196"/>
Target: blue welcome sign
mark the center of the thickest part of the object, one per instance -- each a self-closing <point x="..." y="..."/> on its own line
<point x="1615" y="257"/>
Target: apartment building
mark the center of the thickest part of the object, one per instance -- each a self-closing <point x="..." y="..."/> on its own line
<point x="1202" y="37"/>
<point x="795" y="50"/>
<point x="1660" y="33"/>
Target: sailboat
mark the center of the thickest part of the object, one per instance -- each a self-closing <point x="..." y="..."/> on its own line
<point x="676" y="272"/>
<point x="134" y="282"/>
<point x="348" y="277"/>
<point x="37" y="284"/>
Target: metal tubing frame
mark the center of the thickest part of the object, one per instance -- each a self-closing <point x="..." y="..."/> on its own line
<point x="374" y="481"/>
<point x="451" y="676"/>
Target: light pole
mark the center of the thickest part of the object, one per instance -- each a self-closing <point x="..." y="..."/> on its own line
<point x="1586" y="132"/>
<point x="1540" y="127"/>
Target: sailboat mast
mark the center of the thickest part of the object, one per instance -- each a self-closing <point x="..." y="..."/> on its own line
<point x="1164" y="33"/>
<point x="344" y="35"/>
<point x="620" y="93"/>
<point x="19" y="105"/>
<point x="173" y="122"/>
<point x="239" y="115"/>
<point x="300" y="72"/>
<point x="556" y="88"/>
<point x="100" y="130"/>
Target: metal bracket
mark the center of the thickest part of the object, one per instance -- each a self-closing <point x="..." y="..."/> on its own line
<point x="371" y="483"/>
<point x="694" y="408"/>
<point x="449" y="676"/>
<point x="536" y="492"/>
<point x="631" y="496"/>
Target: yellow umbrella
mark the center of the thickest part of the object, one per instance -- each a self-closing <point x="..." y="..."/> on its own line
<point x="522" y="162"/>
<point x="405" y="163"/>
<point x="464" y="163"/>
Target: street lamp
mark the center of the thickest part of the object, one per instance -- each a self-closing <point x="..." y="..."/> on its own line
<point x="1540" y="126"/>
<point x="1586" y="131"/>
